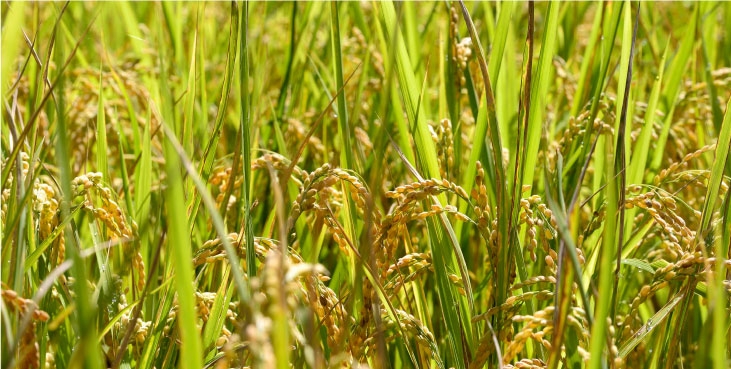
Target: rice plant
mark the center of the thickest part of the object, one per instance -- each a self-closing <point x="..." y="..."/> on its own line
<point x="365" y="184"/>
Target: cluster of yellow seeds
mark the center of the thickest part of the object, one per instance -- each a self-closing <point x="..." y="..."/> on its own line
<point x="526" y="364"/>
<point x="443" y="138"/>
<point x="28" y="353"/>
<point x="674" y="167"/>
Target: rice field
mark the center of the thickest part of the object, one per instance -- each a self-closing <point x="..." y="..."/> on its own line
<point x="365" y="185"/>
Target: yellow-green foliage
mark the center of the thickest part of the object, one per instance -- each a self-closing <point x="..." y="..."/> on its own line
<point x="365" y="184"/>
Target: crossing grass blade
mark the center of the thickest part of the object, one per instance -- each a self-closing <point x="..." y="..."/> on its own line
<point x="671" y="87"/>
<point x="190" y="96"/>
<point x="596" y="80"/>
<point x="705" y="234"/>
<point x="615" y="195"/>
<point x="210" y="151"/>
<point x="246" y="134"/>
<point x="11" y="39"/>
<point x="587" y="61"/>
<point x="704" y="240"/>
<point x="181" y="250"/>
<point x="347" y="154"/>
<point x="217" y="319"/>
<point x="651" y="323"/>
<point x="539" y="92"/>
<point x="143" y="175"/>
<point x="217" y="219"/>
<point x="86" y="309"/>
<point x="718" y="353"/>
<point x="638" y="162"/>
<point x="708" y="47"/>
<point x="481" y="122"/>
<point x="101" y="133"/>
<point x="427" y="159"/>
<point x="177" y="234"/>
<point x="503" y="27"/>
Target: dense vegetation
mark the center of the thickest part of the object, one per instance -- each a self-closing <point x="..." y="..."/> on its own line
<point x="436" y="184"/>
